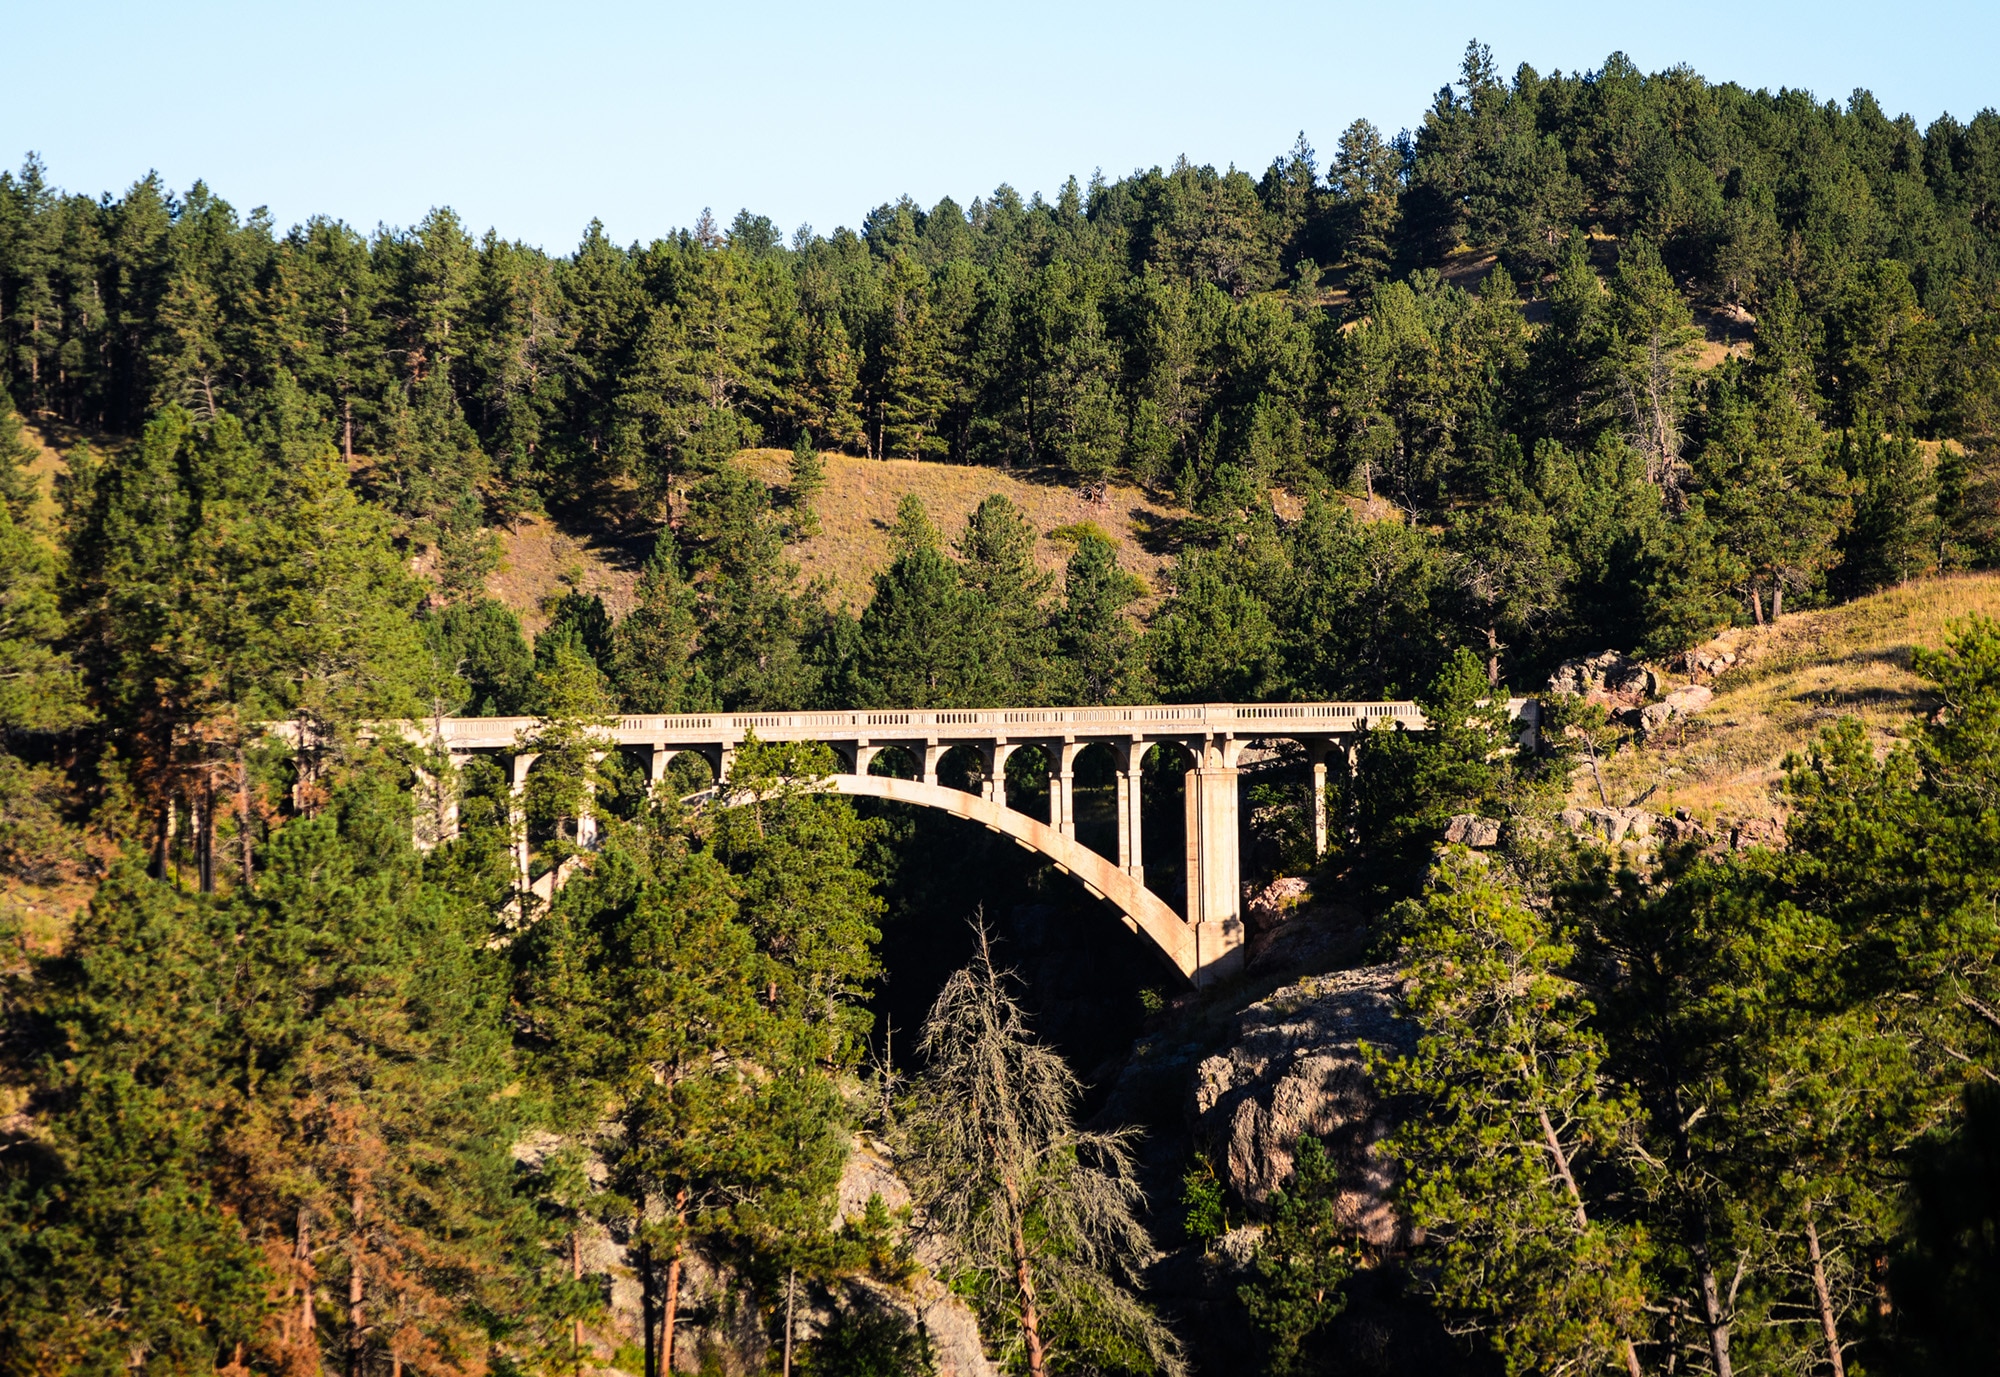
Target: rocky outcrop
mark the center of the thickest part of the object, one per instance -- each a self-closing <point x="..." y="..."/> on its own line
<point x="722" y="1328"/>
<point x="1469" y="829"/>
<point x="1275" y="903"/>
<point x="1610" y="825"/>
<point x="922" y="1300"/>
<point x="1676" y="706"/>
<point x="1606" y="676"/>
<point x="1293" y="1064"/>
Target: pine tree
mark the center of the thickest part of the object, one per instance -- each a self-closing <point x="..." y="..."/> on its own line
<point x="751" y="625"/>
<point x="1097" y="643"/>
<point x="18" y="488"/>
<point x="1894" y="535"/>
<point x="922" y="642"/>
<point x="1516" y="1109"/>
<point x="996" y="551"/>
<point x="1303" y="1258"/>
<point x="640" y="996"/>
<point x="653" y="647"/>
<point x="1650" y="356"/>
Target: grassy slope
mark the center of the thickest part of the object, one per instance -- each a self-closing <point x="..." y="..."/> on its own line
<point x="1792" y="680"/>
<point x="857" y="511"/>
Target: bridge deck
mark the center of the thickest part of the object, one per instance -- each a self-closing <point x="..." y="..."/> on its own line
<point x="1150" y="721"/>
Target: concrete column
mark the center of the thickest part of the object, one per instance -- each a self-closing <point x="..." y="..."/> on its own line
<point x="1191" y="835"/>
<point x="1062" y="785"/>
<point x="586" y="818"/>
<point x="436" y="820"/>
<point x="933" y="753"/>
<point x="1131" y="842"/>
<point x="996" y="754"/>
<point x="1215" y="887"/>
<point x="1316" y="753"/>
<point x="864" y="755"/>
<point x="517" y="818"/>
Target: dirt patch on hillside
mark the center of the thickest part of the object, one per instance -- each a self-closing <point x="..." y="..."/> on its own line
<point x="857" y="513"/>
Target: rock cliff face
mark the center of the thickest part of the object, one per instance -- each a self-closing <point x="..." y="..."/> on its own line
<point x="1294" y="1064"/>
<point x="1237" y="1080"/>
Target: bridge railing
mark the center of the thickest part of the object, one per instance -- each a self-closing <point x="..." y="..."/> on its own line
<point x="1154" y="720"/>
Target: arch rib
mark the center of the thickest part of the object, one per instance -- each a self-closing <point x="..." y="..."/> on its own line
<point x="1174" y="938"/>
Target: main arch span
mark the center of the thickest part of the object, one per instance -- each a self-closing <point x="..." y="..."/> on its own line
<point x="1204" y="945"/>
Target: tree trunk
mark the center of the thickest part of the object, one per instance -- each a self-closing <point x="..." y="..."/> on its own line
<point x="1756" y="604"/>
<point x="163" y="843"/>
<point x="1711" y="1313"/>
<point x="576" y="1274"/>
<point x="347" y="430"/>
<point x="302" y="1254"/>
<point x="1777" y="602"/>
<point x="649" y="1305"/>
<point x="1024" y="1280"/>
<point x="1492" y="657"/>
<point x="356" y="1318"/>
<point x="673" y="1284"/>
<point x="1823" y="1296"/>
<point x="205" y="836"/>
<point x="791" y="1284"/>
<point x="243" y="817"/>
<point x="1576" y="1198"/>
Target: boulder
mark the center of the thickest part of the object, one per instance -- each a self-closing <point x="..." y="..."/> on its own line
<point x="1682" y="827"/>
<point x="1596" y="674"/>
<point x="1768" y="833"/>
<point x="1470" y="829"/>
<point x="1293" y="1065"/>
<point x="1274" y="903"/>
<point x="1609" y="824"/>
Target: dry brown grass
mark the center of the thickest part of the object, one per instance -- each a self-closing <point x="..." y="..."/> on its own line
<point x="1793" y="679"/>
<point x="539" y="562"/>
<point x="857" y="512"/>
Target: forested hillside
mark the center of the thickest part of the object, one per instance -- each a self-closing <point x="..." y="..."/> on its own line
<point x="1586" y="362"/>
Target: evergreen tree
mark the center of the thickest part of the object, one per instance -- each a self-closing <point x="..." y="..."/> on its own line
<point x="807" y="478"/>
<point x="1302" y="1258"/>
<point x="653" y="646"/>
<point x="1515" y="1110"/>
<point x="997" y="564"/>
<point x="751" y="625"/>
<point x="922" y="643"/>
<point x="1097" y="644"/>
<point x="1894" y="535"/>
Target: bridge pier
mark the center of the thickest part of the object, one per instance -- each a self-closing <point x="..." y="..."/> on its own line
<point x="1214" y="858"/>
<point x="993" y="764"/>
<point x="1131" y="841"/>
<point x="517" y="814"/>
<point x="1062" y="784"/>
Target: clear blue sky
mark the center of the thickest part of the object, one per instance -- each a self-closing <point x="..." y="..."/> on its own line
<point x="532" y="118"/>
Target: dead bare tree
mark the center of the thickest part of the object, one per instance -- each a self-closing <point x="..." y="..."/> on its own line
<point x="1033" y="1211"/>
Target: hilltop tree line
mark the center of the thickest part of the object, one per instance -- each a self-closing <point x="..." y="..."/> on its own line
<point x="1489" y="323"/>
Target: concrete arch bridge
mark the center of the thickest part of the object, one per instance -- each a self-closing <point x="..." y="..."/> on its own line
<point x="1204" y="945"/>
